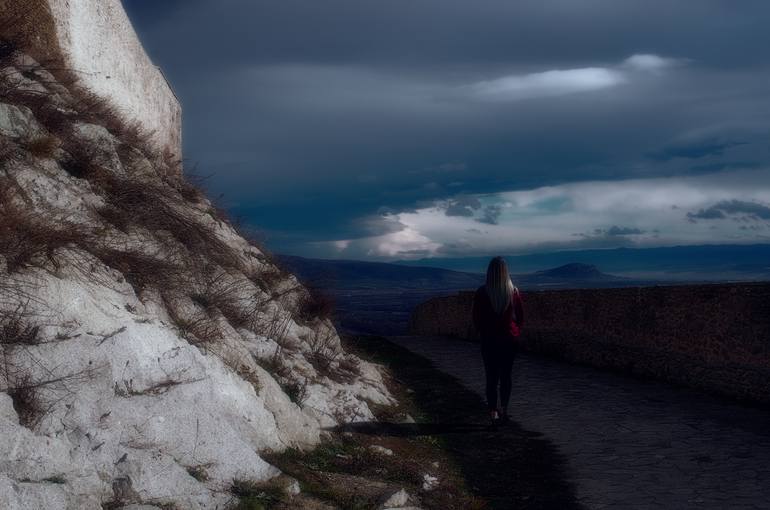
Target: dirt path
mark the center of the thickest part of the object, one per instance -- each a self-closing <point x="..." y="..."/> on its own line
<point x="628" y="443"/>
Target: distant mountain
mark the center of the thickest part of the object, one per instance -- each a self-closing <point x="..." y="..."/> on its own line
<point x="576" y="271"/>
<point x="675" y="263"/>
<point x="358" y="274"/>
<point x="378" y="297"/>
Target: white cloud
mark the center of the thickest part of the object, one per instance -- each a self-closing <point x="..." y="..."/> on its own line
<point x="568" y="216"/>
<point x="560" y="82"/>
<point x="342" y="244"/>
<point x="649" y="62"/>
<point x="403" y="242"/>
<point x="547" y="84"/>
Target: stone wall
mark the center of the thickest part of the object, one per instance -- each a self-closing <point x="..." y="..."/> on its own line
<point x="714" y="337"/>
<point x="95" y="40"/>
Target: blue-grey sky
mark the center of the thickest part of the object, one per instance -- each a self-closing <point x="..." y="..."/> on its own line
<point x="423" y="128"/>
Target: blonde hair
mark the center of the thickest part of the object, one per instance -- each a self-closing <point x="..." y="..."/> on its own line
<point x="499" y="285"/>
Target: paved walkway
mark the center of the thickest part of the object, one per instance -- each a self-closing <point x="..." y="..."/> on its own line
<point x="629" y="444"/>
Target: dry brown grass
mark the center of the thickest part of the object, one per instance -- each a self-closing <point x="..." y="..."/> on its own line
<point x="231" y="296"/>
<point x="275" y="325"/>
<point x="314" y="304"/>
<point x="16" y="331"/>
<point x="8" y="52"/>
<point x="42" y="147"/>
<point x="345" y="472"/>
<point x="28" y="26"/>
<point x="56" y="118"/>
<point x="188" y="190"/>
<point x="141" y="270"/>
<point x="80" y="159"/>
<point x="26" y="401"/>
<point x="93" y="109"/>
<point x="15" y="328"/>
<point x="198" y="328"/>
<point x="328" y="358"/>
<point x="154" y="208"/>
<point x="158" y="388"/>
<point x="268" y="279"/>
<point x="28" y="238"/>
<point x="9" y="151"/>
<point x="33" y="396"/>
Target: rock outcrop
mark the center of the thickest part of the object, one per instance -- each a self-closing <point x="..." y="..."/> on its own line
<point x="150" y="353"/>
<point x="95" y="41"/>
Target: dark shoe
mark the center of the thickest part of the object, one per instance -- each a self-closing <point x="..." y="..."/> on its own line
<point x="494" y="421"/>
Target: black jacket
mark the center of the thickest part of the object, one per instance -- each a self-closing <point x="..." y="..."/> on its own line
<point x="492" y="325"/>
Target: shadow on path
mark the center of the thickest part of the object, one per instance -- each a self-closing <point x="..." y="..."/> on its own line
<point x="510" y="467"/>
<point x="377" y="428"/>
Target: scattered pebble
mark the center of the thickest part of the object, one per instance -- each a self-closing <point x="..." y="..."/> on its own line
<point x="381" y="449"/>
<point x="293" y="488"/>
<point x="429" y="482"/>
<point x="394" y="499"/>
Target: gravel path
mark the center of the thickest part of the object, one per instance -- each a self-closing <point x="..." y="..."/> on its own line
<point x="629" y="444"/>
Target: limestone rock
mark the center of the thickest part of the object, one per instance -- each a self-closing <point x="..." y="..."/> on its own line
<point x="158" y="358"/>
<point x="18" y="122"/>
<point x="394" y="499"/>
<point x="288" y="484"/>
<point x="381" y="450"/>
<point x="429" y="482"/>
<point x="101" y="143"/>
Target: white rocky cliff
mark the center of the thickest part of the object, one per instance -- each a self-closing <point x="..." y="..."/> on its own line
<point x="150" y="354"/>
<point x="95" y="41"/>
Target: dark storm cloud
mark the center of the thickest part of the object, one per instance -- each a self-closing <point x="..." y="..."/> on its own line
<point x="732" y="208"/>
<point x="405" y="32"/>
<point x="314" y="116"/>
<point x="711" y="213"/>
<point x="609" y="235"/>
<point x="490" y="214"/>
<point x="378" y="225"/>
<point x="462" y="206"/>
<point x="694" y="150"/>
<point x="724" y="165"/>
<point x="623" y="231"/>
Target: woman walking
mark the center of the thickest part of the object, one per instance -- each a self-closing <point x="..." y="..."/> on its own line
<point x="498" y="315"/>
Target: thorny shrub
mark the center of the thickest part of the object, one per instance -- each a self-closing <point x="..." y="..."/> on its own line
<point x="314" y="304"/>
<point x="26" y="400"/>
<point x="141" y="270"/>
<point x="32" y="397"/>
<point x="230" y="296"/>
<point x="15" y="328"/>
<point x="152" y="207"/>
<point x="43" y="146"/>
<point x="197" y="328"/>
<point x="27" y="236"/>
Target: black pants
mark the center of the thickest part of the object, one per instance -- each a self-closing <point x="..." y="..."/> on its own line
<point x="498" y="357"/>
